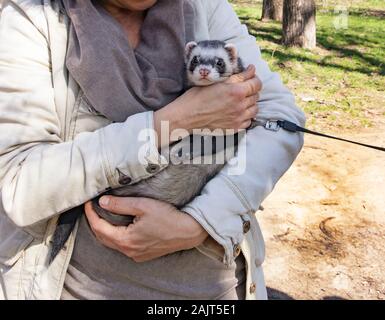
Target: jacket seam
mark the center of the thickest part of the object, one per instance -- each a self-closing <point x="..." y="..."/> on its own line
<point x="67" y="261"/>
<point x="20" y="276"/>
<point x="105" y="161"/>
<point x="36" y="264"/>
<point x="210" y="13"/>
<point x="239" y="194"/>
<point x="22" y="12"/>
<point x="75" y="111"/>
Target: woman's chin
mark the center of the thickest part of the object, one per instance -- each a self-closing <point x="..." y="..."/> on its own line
<point x="137" y="5"/>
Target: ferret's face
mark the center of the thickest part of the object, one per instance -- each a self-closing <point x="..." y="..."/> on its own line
<point x="208" y="65"/>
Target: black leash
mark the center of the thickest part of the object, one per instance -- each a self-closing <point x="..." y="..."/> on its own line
<point x="275" y="125"/>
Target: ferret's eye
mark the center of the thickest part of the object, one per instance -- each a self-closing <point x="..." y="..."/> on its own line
<point x="195" y="60"/>
<point x="220" y="63"/>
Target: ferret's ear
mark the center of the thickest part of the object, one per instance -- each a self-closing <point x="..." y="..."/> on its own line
<point x="189" y="47"/>
<point x="233" y="52"/>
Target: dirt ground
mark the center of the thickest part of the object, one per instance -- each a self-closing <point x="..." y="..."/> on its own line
<point x="324" y="224"/>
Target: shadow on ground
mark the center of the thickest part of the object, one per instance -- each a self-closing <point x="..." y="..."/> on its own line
<point x="274" y="294"/>
<point x="341" y="44"/>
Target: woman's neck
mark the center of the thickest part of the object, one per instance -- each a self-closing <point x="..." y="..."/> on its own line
<point x="131" y="21"/>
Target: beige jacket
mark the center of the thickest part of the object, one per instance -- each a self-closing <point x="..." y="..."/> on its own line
<point x="56" y="152"/>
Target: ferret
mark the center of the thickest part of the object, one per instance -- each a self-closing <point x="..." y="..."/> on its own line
<point x="207" y="62"/>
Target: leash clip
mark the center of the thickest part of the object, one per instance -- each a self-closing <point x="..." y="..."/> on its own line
<point x="272" y="125"/>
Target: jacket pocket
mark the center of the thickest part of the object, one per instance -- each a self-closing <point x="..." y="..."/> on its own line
<point x="13" y="241"/>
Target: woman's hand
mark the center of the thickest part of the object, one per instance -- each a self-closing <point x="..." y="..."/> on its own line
<point x="227" y="105"/>
<point x="159" y="228"/>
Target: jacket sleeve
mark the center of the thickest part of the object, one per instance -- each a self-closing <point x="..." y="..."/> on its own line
<point x="40" y="174"/>
<point x="228" y="199"/>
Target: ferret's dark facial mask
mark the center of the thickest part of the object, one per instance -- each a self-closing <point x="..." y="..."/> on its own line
<point x="209" y="62"/>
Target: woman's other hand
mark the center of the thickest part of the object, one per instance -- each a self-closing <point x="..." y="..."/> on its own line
<point x="228" y="105"/>
<point x="159" y="228"/>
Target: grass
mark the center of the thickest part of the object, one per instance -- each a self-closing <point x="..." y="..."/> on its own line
<point x="340" y="84"/>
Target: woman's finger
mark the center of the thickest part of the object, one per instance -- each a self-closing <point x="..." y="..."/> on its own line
<point x="250" y="101"/>
<point x="98" y="225"/>
<point x="253" y="86"/>
<point x="122" y="205"/>
<point x="248" y="74"/>
<point x="246" y="124"/>
<point x="251" y="112"/>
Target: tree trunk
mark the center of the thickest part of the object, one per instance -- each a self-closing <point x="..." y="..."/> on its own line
<point x="299" y="23"/>
<point x="272" y="10"/>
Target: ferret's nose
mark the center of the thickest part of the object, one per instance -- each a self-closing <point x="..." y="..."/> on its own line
<point x="204" y="72"/>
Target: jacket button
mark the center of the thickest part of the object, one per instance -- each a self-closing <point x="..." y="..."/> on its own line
<point x="253" y="288"/>
<point x="246" y="226"/>
<point x="123" y="179"/>
<point x="152" y="168"/>
<point x="237" y="250"/>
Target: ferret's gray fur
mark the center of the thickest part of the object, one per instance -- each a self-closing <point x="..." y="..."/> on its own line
<point x="176" y="184"/>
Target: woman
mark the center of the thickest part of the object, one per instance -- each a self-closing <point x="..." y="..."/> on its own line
<point x="68" y="133"/>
